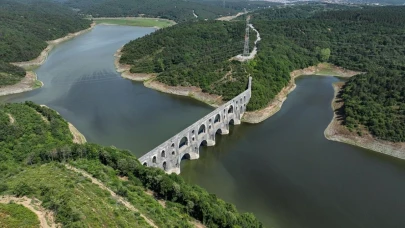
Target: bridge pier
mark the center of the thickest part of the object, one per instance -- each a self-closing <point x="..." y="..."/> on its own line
<point x="186" y="144"/>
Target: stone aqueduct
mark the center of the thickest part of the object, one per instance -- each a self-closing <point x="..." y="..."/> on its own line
<point x="169" y="154"/>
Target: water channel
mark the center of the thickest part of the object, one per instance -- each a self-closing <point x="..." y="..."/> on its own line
<point x="283" y="170"/>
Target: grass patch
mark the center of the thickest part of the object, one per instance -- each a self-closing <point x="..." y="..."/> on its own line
<point x="174" y="215"/>
<point x="37" y="84"/>
<point x="14" y="215"/>
<point x="141" y="22"/>
<point x="75" y="200"/>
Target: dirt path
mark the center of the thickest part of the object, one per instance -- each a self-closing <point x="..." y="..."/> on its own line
<point x="113" y="194"/>
<point x="46" y="218"/>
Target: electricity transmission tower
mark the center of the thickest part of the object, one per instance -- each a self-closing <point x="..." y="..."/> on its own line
<point x="246" y="47"/>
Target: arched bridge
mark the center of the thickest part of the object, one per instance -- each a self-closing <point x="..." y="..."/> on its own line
<point x="169" y="154"/>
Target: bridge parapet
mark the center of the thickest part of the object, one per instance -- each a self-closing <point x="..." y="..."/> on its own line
<point x="168" y="155"/>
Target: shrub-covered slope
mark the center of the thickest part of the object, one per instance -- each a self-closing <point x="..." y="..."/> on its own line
<point x="35" y="142"/>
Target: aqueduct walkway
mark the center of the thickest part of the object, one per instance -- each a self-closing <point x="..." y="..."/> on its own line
<point x="169" y="154"/>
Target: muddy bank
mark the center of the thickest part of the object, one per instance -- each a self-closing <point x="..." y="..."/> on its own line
<point x="336" y="131"/>
<point x="322" y="69"/>
<point x="29" y="82"/>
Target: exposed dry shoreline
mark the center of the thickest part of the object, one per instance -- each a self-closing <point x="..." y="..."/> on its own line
<point x="150" y="82"/>
<point x="337" y="132"/>
<point x="29" y="82"/>
<point x="322" y="69"/>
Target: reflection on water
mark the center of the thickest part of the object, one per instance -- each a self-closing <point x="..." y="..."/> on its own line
<point x="289" y="175"/>
<point x="283" y="169"/>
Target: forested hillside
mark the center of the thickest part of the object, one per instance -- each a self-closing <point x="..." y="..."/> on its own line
<point x="35" y="143"/>
<point x="176" y="10"/>
<point x="367" y="39"/>
<point x="24" y="28"/>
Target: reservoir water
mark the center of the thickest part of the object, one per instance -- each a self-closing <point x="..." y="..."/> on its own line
<point x="283" y="170"/>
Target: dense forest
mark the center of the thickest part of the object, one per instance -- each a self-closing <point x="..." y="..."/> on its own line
<point x="24" y="28"/>
<point x="367" y="39"/>
<point x="35" y="142"/>
<point x="176" y="10"/>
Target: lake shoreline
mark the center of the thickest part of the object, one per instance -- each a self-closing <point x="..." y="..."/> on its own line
<point x="322" y="69"/>
<point x="30" y="81"/>
<point x="336" y="131"/>
<point x="149" y="81"/>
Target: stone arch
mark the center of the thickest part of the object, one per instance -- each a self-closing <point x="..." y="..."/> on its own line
<point x="164" y="166"/>
<point x="185" y="156"/>
<point x="244" y="98"/>
<point x="217" y="118"/>
<point x="145" y="164"/>
<point x="219" y="131"/>
<point x="173" y="152"/>
<point x="163" y="154"/>
<point x="154" y="159"/>
<point x="201" y="129"/>
<point x="204" y="143"/>
<point x="183" y="142"/>
<point x="172" y="144"/>
<point x="231" y="122"/>
<point x="230" y="110"/>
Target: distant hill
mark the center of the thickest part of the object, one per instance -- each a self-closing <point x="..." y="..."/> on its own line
<point x="177" y="10"/>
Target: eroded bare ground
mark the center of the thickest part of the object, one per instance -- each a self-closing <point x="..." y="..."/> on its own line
<point x="46" y="217"/>
<point x="12" y="120"/>
<point x="77" y="136"/>
<point x="113" y="194"/>
<point x="26" y="84"/>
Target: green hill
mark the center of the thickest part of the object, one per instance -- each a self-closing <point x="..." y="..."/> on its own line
<point x="367" y="39"/>
<point x="24" y="28"/>
<point x="35" y="148"/>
